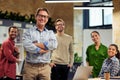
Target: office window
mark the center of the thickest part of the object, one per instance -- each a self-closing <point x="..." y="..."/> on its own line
<point x="94" y="1"/>
<point x="107" y="0"/>
<point x="98" y="14"/>
<point x="100" y="17"/>
<point x="108" y="16"/>
<point x="95" y="17"/>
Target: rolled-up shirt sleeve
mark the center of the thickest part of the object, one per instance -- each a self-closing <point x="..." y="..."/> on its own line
<point x="51" y="44"/>
<point x="28" y="44"/>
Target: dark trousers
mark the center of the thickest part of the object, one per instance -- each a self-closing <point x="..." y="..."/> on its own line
<point x="60" y="72"/>
<point x="7" y="78"/>
<point x="1" y="78"/>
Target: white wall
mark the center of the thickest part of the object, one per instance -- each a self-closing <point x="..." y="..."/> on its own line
<point x="3" y="33"/>
<point x="78" y="33"/>
<point x="106" y="39"/>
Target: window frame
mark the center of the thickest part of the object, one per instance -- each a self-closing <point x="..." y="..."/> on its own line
<point x="86" y="22"/>
<point x="86" y="16"/>
<point x="99" y="1"/>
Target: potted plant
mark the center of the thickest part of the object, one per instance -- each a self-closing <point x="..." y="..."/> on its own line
<point x="77" y="59"/>
<point x="77" y="62"/>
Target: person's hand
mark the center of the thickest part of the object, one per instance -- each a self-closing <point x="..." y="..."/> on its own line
<point x="40" y="45"/>
<point x="91" y="73"/>
<point x="69" y="65"/>
<point x="18" y="60"/>
<point x="42" y="51"/>
<point x="52" y="64"/>
<point x="16" y="48"/>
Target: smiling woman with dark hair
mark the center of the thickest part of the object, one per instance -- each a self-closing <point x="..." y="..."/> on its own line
<point x="96" y="53"/>
<point x="111" y="64"/>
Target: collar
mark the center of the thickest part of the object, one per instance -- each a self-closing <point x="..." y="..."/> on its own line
<point x="113" y="58"/>
<point x="100" y="44"/>
<point x="36" y="28"/>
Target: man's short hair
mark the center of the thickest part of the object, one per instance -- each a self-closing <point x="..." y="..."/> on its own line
<point x="41" y="9"/>
<point x="12" y="27"/>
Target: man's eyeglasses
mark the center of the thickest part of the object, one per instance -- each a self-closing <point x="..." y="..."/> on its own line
<point x="59" y="24"/>
<point x="43" y="16"/>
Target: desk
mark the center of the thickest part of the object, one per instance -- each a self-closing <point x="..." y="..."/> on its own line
<point x="113" y="78"/>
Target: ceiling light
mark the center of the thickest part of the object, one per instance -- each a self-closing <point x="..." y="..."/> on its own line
<point x="93" y="7"/>
<point x="65" y="1"/>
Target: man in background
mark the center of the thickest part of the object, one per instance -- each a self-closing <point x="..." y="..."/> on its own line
<point x="9" y="55"/>
<point x="62" y="57"/>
